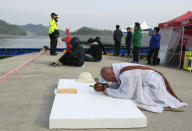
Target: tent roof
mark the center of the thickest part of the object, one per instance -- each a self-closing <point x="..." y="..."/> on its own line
<point x="183" y="20"/>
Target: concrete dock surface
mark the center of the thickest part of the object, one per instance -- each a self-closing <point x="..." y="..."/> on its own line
<point x="26" y="98"/>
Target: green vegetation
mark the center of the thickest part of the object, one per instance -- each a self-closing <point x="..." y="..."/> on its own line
<point x="9" y="29"/>
<point x="41" y="30"/>
<point x="37" y="30"/>
<point x="22" y="30"/>
<point x="90" y="31"/>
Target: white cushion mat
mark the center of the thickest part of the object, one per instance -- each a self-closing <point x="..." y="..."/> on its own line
<point x="90" y="109"/>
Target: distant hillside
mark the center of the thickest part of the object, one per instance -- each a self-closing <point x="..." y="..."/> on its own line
<point x="41" y="30"/>
<point x="90" y="31"/>
<point x="9" y="29"/>
<point x="22" y="30"/>
<point x="37" y="30"/>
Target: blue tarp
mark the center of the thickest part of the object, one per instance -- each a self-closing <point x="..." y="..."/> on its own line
<point x="20" y="51"/>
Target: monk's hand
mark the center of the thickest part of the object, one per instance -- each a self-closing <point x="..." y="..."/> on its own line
<point x="99" y="86"/>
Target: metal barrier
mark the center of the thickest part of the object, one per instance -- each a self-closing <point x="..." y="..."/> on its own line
<point x="20" y="51"/>
<point x="109" y="50"/>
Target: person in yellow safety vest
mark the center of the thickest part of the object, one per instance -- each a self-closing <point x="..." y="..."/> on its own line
<point x="53" y="33"/>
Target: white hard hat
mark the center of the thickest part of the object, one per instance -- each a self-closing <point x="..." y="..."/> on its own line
<point x="85" y="77"/>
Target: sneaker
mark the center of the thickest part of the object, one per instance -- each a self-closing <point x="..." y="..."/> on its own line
<point x="53" y="64"/>
<point x="54" y="54"/>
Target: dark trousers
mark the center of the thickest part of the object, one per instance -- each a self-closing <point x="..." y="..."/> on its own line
<point x="128" y="49"/>
<point x="117" y="47"/>
<point x="89" y="57"/>
<point x="153" y="52"/>
<point x="53" y="44"/>
<point x="135" y="54"/>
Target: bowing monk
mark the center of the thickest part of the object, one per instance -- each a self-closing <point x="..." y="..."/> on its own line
<point x="148" y="88"/>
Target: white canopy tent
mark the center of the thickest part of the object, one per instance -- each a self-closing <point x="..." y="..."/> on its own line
<point x="144" y="25"/>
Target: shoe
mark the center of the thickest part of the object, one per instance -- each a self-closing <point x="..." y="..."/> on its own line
<point x="134" y="62"/>
<point x="54" y="54"/>
<point x="53" y="64"/>
<point x="154" y="64"/>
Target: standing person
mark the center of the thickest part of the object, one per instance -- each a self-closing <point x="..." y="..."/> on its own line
<point x="117" y="36"/>
<point x="154" y="46"/>
<point x="94" y="53"/>
<point x="136" y="42"/>
<point x="53" y="33"/>
<point x="128" y="40"/>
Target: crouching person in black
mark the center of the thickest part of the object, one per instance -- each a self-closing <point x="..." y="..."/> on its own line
<point x="94" y="53"/>
<point x="75" y="57"/>
<point x="97" y="39"/>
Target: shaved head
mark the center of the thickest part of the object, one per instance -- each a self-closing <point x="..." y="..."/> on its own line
<point x="106" y="69"/>
<point x="108" y="74"/>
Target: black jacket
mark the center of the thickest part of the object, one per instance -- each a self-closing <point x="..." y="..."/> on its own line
<point x="117" y="35"/>
<point x="100" y="44"/>
<point x="128" y="38"/>
<point x="76" y="57"/>
<point x="95" y="51"/>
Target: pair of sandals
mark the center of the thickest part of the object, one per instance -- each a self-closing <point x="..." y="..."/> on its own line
<point x="53" y="64"/>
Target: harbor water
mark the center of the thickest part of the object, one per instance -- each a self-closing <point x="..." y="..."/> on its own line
<point x="38" y="42"/>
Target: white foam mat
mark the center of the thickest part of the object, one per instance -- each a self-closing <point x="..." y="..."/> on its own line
<point x="90" y="109"/>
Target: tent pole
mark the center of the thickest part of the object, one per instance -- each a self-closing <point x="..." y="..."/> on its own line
<point x="183" y="31"/>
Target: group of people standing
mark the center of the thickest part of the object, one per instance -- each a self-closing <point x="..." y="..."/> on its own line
<point x="134" y="39"/>
<point x="96" y="48"/>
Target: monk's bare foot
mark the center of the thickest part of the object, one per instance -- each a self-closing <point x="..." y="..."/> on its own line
<point x="174" y="109"/>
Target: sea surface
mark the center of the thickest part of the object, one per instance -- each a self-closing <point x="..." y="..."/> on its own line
<point x="38" y="42"/>
<point x="27" y="42"/>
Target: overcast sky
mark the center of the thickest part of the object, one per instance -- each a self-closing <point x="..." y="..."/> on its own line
<point x="100" y="14"/>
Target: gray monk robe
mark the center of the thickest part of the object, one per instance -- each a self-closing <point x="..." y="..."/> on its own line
<point x="145" y="87"/>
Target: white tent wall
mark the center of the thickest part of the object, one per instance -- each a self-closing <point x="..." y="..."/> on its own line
<point x="165" y="40"/>
<point x="188" y="38"/>
<point x="170" y="50"/>
<point x="145" y="39"/>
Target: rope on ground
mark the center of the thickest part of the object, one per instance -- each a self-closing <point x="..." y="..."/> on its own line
<point x="12" y="72"/>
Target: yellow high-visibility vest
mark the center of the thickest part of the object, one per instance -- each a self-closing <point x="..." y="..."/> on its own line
<point x="52" y="26"/>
